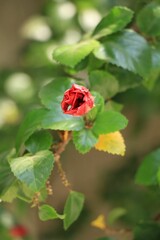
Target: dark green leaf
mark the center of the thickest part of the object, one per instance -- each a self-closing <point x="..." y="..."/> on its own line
<point x="81" y="65"/>
<point x="73" y="208"/>
<point x="47" y="212"/>
<point x="39" y="141"/>
<point x="33" y="170"/>
<point x="115" y="21"/>
<point x="104" y="83"/>
<point x="126" y="79"/>
<point x="84" y="140"/>
<point x="147" y="231"/>
<point x="31" y="123"/>
<point x="148" y="19"/>
<point x="109" y="121"/>
<point x="128" y="50"/>
<point x="147" y="173"/>
<point x="71" y="55"/>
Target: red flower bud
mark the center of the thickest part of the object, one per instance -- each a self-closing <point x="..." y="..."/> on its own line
<point x="77" y="101"/>
<point x="18" y="231"/>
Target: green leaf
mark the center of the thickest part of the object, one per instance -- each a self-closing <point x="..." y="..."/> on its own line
<point x="127" y="50"/>
<point x="109" y="121"/>
<point x="153" y="76"/>
<point x="104" y="83"/>
<point x="116" y="20"/>
<point x="33" y="170"/>
<point x="47" y="212"/>
<point x="71" y="55"/>
<point x="94" y="63"/>
<point x="57" y="120"/>
<point x="147" y="230"/>
<point x="31" y="123"/>
<point x="41" y="140"/>
<point x="11" y="193"/>
<point x="126" y="79"/>
<point x="7" y="179"/>
<point x="99" y="107"/>
<point x="84" y="140"/>
<point x="148" y="171"/>
<point x="25" y="192"/>
<point x="148" y="19"/>
<point x="115" y="214"/>
<point x="51" y="94"/>
<point x="73" y="208"/>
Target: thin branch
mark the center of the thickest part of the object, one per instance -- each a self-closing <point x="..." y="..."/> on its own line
<point x="65" y="137"/>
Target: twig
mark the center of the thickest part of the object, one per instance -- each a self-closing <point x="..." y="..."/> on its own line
<point x="65" y="138"/>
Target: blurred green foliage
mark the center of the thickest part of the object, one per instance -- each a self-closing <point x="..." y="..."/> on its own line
<point x="65" y="22"/>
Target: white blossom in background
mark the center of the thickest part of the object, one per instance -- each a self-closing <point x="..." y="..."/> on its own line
<point x="71" y="36"/>
<point x="89" y="18"/>
<point x="19" y="86"/>
<point x="66" y="10"/>
<point x="9" y="113"/>
<point x="36" y="28"/>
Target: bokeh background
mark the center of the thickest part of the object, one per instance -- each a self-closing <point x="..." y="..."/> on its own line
<point x="29" y="32"/>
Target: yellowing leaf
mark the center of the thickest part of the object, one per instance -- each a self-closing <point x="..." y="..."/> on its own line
<point x="99" y="222"/>
<point x="111" y="143"/>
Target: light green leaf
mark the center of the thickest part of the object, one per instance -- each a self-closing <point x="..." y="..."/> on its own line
<point x="47" y="212"/>
<point x="41" y="140"/>
<point x="33" y="170"/>
<point x="56" y="119"/>
<point x="117" y="18"/>
<point x="26" y="192"/>
<point x="51" y="94"/>
<point x="148" y="172"/>
<point x="104" y="83"/>
<point x="7" y="179"/>
<point x="148" y="19"/>
<point x="31" y="123"/>
<point x="84" y="140"/>
<point x="71" y="55"/>
<point x="11" y="193"/>
<point x="127" y="50"/>
<point x="115" y="214"/>
<point x="73" y="208"/>
<point x="109" y="121"/>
